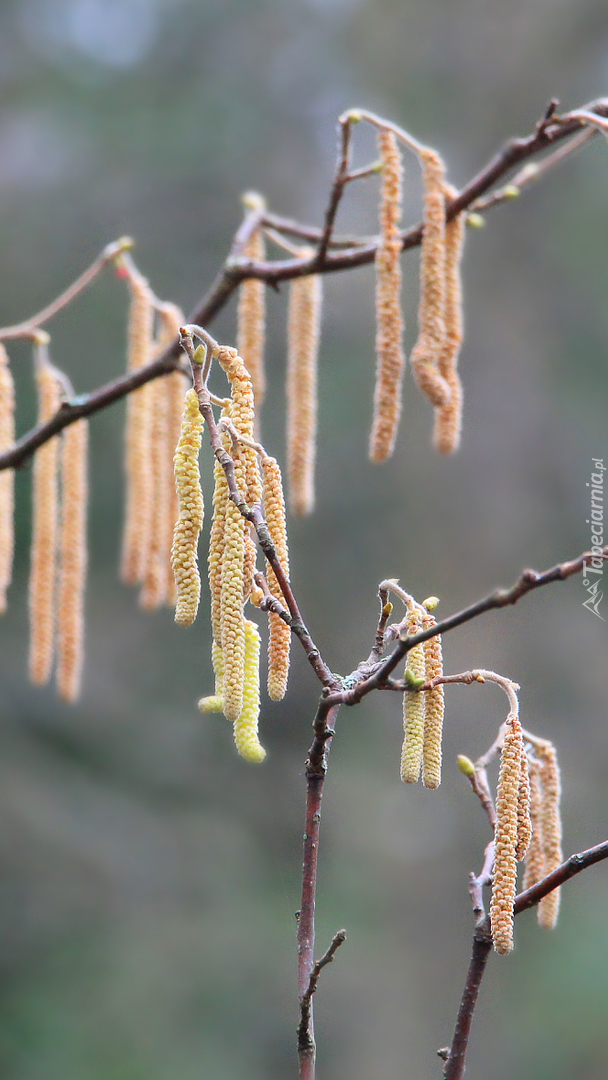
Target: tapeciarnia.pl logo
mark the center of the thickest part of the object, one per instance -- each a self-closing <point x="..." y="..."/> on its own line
<point x="594" y="568"/>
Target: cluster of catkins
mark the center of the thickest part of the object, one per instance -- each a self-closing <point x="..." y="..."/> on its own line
<point x="434" y="357"/>
<point x="528" y="827"/>
<point x="232" y="557"/>
<point x="423" y="710"/>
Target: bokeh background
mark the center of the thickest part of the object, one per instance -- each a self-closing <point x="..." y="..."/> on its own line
<point x="148" y="877"/>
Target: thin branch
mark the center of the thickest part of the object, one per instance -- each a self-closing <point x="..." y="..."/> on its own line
<point x="305" y="1036"/>
<point x="337" y="189"/>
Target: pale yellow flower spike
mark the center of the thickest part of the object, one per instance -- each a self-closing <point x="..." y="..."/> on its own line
<point x="216" y="549"/>
<point x="552" y="830"/>
<point x="303" y="328"/>
<point x="137" y="528"/>
<point x="156" y="558"/>
<point x="524" y="820"/>
<point x="44" y="531"/>
<point x="231" y="612"/>
<point x="73" y="559"/>
<point x="190" y="521"/>
<point x="434" y="709"/>
<point x="251" y="319"/>
<point x="505" y="866"/>
<point x="534" y="864"/>
<point x="413" y="709"/>
<point x="279" y="639"/>
<point x="448" y="418"/>
<point x="246" y="726"/>
<point x="215" y="703"/>
<point x="7" y="477"/>
<point x="390" y="359"/>
<point x="431" y="312"/>
<point x="174" y="386"/>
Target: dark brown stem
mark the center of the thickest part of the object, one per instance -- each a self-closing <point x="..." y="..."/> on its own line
<point x="305" y="1036"/>
<point x="316" y="767"/>
<point x="337" y="189"/>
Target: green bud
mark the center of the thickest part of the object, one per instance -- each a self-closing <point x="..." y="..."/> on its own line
<point x="465" y="765"/>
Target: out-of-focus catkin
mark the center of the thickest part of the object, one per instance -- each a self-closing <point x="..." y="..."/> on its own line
<point x="246" y="724"/>
<point x="137" y="527"/>
<point x="44" y="530"/>
<point x="189" y="524"/>
<point x="431" y="311"/>
<point x="7" y="477"/>
<point x="390" y="358"/>
<point x="433" y="708"/>
<point x="448" y="418"/>
<point x="524" y="821"/>
<point x="534" y="864"/>
<point x="303" y="329"/>
<point x="156" y="556"/>
<point x="279" y="638"/>
<point x="251" y="319"/>
<point x="413" y="708"/>
<point x="551" y="829"/>
<point x="72" y="559"/>
<point x="505" y="838"/>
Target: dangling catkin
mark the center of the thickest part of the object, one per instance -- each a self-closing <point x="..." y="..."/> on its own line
<point x="231" y="612"/>
<point x="303" y="326"/>
<point x="251" y="319"/>
<point x="534" y="864"/>
<point x="433" y="708"/>
<point x="215" y="702"/>
<point x="246" y="725"/>
<point x="191" y="509"/>
<point x="279" y="637"/>
<point x="390" y="359"/>
<point x="505" y="866"/>
<point x="551" y="830"/>
<point x="448" y="418"/>
<point x="216" y="548"/>
<point x="137" y="527"/>
<point x="7" y="477"/>
<point x="431" y="310"/>
<point x="156" y="563"/>
<point x="413" y="709"/>
<point x="524" y="821"/>
<point x="73" y="559"/>
<point x="44" y="530"/>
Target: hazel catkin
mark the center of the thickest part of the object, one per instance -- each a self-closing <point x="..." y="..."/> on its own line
<point x="303" y="328"/>
<point x="246" y="724"/>
<point x="138" y="494"/>
<point x="191" y="509"/>
<point x="548" y="908"/>
<point x="279" y="633"/>
<point x="72" y="559"/>
<point x="433" y="708"/>
<point x="251" y="319"/>
<point x="390" y="359"/>
<point x="505" y="838"/>
<point x="448" y="417"/>
<point x="45" y="506"/>
<point x="413" y="708"/>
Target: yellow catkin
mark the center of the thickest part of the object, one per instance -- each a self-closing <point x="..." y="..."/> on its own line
<point x="215" y="702"/>
<point x="156" y="557"/>
<point x="231" y="612"/>
<point x="505" y="866"/>
<point x="390" y="360"/>
<point x="190" y="521"/>
<point x="551" y="829"/>
<point x="524" y="820"/>
<point x="249" y="564"/>
<point x="174" y="386"/>
<point x="72" y="559"/>
<point x="413" y="710"/>
<point x="137" y="527"/>
<point x="7" y="477"/>
<point x="433" y="709"/>
<point x="279" y="638"/>
<point x="534" y="864"/>
<point x="303" y="327"/>
<point x="431" y="311"/>
<point x="246" y="726"/>
<point x="251" y="319"/>
<point x="44" y="534"/>
<point x="448" y="418"/>
<point x="216" y="549"/>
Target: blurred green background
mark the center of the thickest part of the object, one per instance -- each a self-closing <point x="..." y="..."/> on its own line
<point x="148" y="877"/>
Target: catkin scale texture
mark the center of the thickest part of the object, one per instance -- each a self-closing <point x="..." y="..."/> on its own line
<point x="433" y="709"/>
<point x="448" y="418"/>
<point x="390" y="360"/>
<point x="191" y="509"/>
<point x="413" y="710"/>
<point x="505" y="837"/>
<point x="231" y="612"/>
<point x="44" y="535"/>
<point x="246" y="725"/>
<point x="534" y="865"/>
<point x="303" y="329"/>
<point x="548" y="908"/>
<point x="279" y="637"/>
<point x="7" y="477"/>
<point x="73" y="559"/>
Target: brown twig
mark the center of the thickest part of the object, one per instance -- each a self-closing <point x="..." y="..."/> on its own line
<point x="305" y="1034"/>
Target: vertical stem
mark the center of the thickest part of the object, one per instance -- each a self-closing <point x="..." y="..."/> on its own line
<point x="482" y="945"/>
<point x="316" y="768"/>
